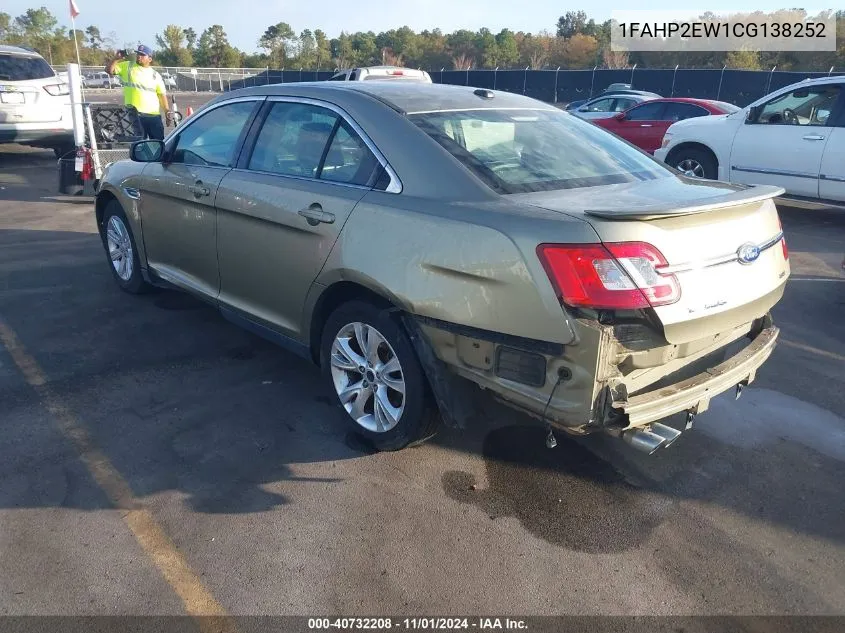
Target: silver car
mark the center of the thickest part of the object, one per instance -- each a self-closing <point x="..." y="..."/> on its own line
<point x="606" y="106"/>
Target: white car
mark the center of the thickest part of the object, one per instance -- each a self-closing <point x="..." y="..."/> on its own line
<point x="792" y="138"/>
<point x="34" y="102"/>
<point x="382" y="72"/>
<point x="169" y="80"/>
<point x="100" y="80"/>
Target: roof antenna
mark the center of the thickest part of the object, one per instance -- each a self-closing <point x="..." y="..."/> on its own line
<point x="483" y="93"/>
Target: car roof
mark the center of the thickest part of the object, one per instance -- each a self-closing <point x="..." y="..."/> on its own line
<point x="405" y="97"/>
<point x="18" y="50"/>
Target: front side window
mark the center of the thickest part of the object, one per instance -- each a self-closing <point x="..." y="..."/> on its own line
<point x="804" y="106"/>
<point x="601" y="105"/>
<point x="519" y="151"/>
<point x="212" y="139"/>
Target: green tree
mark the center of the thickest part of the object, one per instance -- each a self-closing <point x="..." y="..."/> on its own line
<point x="191" y="38"/>
<point x="488" y="48"/>
<point x="745" y="60"/>
<point x="95" y="40"/>
<point x="323" y="50"/>
<point x="5" y="26"/>
<point x="213" y="48"/>
<point x="462" y="49"/>
<point x="571" y="23"/>
<point x="172" y="49"/>
<point x="508" y="49"/>
<point x="276" y="40"/>
<point x="342" y="51"/>
<point x="366" y="49"/>
<point x="307" y="50"/>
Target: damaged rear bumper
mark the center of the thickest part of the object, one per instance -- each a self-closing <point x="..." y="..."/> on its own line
<point x="694" y="394"/>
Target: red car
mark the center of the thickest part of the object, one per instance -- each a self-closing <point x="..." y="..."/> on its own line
<point x="645" y="124"/>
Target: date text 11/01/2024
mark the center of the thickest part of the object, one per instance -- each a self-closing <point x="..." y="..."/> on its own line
<point x="418" y="624"/>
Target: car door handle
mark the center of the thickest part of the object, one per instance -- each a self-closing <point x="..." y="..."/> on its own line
<point x="315" y="214"/>
<point x="645" y="124"/>
<point x="813" y="137"/>
<point x="199" y="190"/>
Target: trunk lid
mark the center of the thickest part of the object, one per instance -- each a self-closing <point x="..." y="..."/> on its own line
<point x="721" y="241"/>
<point x="29" y="102"/>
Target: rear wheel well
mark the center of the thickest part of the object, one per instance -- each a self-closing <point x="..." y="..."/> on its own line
<point x="328" y="302"/>
<point x="691" y="145"/>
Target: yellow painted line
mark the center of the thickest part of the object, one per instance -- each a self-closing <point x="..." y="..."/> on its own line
<point x="814" y="350"/>
<point x="151" y="537"/>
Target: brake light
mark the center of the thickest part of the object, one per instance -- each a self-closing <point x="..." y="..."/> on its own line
<point x="397" y="72"/>
<point x="783" y="241"/>
<point x="57" y="90"/>
<point x="621" y="276"/>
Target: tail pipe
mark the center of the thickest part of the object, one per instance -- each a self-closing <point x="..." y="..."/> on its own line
<point x="648" y="440"/>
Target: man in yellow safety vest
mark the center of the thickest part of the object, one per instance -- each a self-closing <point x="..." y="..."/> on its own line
<point x="143" y="90"/>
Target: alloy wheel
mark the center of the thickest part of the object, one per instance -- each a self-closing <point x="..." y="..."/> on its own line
<point x="120" y="248"/>
<point x="368" y="377"/>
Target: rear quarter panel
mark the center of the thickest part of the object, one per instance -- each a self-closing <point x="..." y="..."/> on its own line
<point x="472" y="265"/>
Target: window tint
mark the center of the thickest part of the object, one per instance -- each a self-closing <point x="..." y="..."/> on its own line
<point x="293" y="139"/>
<point x="516" y="151"/>
<point x="647" y="112"/>
<point x="22" y="68"/>
<point x="601" y="105"/>
<point x="680" y="111"/>
<point x="213" y="138"/>
<point x="348" y="160"/>
<point x="804" y="106"/>
<point x="623" y="104"/>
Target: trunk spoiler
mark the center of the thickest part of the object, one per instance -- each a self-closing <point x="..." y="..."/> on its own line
<point x="750" y="195"/>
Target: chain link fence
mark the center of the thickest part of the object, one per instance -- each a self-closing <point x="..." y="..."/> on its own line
<point x="739" y="87"/>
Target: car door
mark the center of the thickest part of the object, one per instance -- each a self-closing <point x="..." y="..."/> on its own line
<point x="178" y="217"/>
<point x="832" y="171"/>
<point x="639" y="122"/>
<point x="782" y="141"/>
<point x="282" y="209"/>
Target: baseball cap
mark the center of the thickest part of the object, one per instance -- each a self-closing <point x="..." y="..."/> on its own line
<point x="144" y="50"/>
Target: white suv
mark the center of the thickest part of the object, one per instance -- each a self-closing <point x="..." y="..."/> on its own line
<point x="34" y="102"/>
<point x="382" y="72"/>
<point x="792" y="138"/>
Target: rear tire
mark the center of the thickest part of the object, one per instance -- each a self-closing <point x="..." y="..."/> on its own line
<point x="369" y="363"/>
<point x="121" y="251"/>
<point x="695" y="162"/>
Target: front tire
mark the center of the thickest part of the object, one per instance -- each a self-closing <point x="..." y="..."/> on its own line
<point x="121" y="251"/>
<point x="369" y="362"/>
<point x="695" y="162"/>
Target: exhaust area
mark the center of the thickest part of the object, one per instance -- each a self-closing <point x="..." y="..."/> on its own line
<point x="650" y="439"/>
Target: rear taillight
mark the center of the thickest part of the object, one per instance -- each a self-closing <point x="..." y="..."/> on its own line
<point x="783" y="241"/>
<point x="57" y="90"/>
<point x="620" y="276"/>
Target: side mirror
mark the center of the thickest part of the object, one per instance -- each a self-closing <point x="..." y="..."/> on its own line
<point x="753" y="114"/>
<point x="150" y="151"/>
<point x="620" y="117"/>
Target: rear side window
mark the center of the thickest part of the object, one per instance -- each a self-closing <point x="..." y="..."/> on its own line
<point x="23" y="68"/>
<point x="519" y="151"/>
<point x="309" y="141"/>
<point x="681" y="111"/>
<point x="646" y="112"/>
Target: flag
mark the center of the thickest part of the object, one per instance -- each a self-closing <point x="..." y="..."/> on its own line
<point x="74" y="10"/>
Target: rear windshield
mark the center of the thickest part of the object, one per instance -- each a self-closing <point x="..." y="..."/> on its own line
<point x="520" y="151"/>
<point x="21" y="68"/>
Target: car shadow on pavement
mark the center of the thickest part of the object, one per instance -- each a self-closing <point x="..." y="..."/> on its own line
<point x="180" y="400"/>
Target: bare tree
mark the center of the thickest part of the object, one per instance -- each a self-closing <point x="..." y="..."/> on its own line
<point x="462" y="62"/>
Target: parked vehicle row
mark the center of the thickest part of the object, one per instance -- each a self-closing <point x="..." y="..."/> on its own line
<point x="556" y="266"/>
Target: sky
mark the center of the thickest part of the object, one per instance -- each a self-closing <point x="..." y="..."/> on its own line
<point x="136" y="21"/>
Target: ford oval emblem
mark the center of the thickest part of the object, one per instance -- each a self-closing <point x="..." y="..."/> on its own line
<point x="747" y="253"/>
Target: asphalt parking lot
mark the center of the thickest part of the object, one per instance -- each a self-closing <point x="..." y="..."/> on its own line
<point x="158" y="460"/>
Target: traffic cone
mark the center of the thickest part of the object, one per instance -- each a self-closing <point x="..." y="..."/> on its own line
<point x="188" y="111"/>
